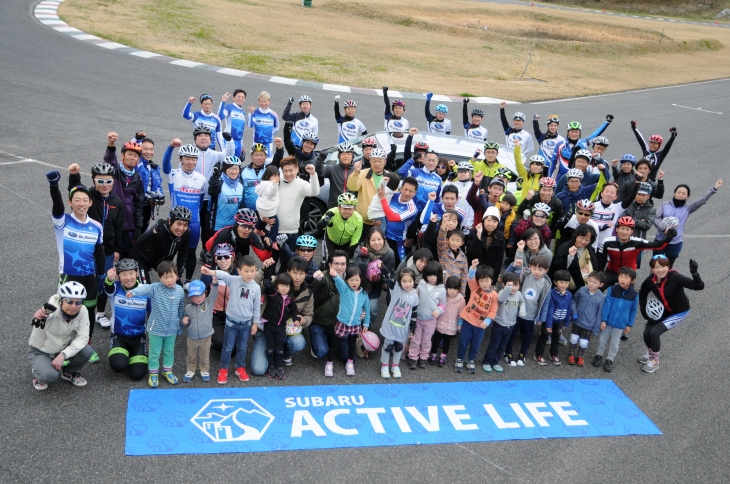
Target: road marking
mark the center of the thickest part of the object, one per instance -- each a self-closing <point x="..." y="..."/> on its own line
<point x="695" y="109"/>
<point x="721" y="236"/>
<point x="186" y="63"/>
<point x="232" y="72"/>
<point x="23" y="159"/>
<point x="283" y="80"/>
<point x="336" y="87"/>
<point x="144" y="54"/>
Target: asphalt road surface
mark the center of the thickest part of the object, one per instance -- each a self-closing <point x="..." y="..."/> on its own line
<point x="60" y="97"/>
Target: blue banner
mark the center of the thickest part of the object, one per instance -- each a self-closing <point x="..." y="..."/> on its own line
<point x="262" y="419"/>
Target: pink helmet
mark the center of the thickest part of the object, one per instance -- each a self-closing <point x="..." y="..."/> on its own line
<point x="656" y="138"/>
<point x="373" y="273"/>
<point x="370" y="341"/>
<point x="547" y="182"/>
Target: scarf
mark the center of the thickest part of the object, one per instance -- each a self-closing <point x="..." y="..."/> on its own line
<point x="678" y="203"/>
<point x="411" y="264"/>
<point x="129" y="173"/>
<point x="230" y="182"/>
<point x="376" y="254"/>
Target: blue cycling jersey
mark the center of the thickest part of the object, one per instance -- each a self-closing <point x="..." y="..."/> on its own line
<point x="251" y="179"/>
<point x="235" y="118"/>
<point x="265" y="125"/>
<point x="151" y="179"/>
<point x="76" y="242"/>
<point x="427" y="182"/>
<point x="128" y="314"/>
<point x="407" y="212"/>
<point x="229" y="201"/>
<point x="212" y="121"/>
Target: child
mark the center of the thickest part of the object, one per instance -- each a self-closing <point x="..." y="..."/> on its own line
<point x="511" y="305"/>
<point x="267" y="203"/>
<point x="617" y="318"/>
<point x="242" y="315"/>
<point x="280" y="307"/>
<point x="452" y="258"/>
<point x="168" y="308"/>
<point x="479" y="313"/>
<point x="431" y="305"/>
<point x="399" y="321"/>
<point x="354" y="301"/>
<point x="224" y="261"/>
<point x="199" y="320"/>
<point x="587" y="309"/>
<point x="557" y="316"/>
<point x="447" y="323"/>
<point x="535" y="288"/>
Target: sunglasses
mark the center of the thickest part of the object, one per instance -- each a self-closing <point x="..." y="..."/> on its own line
<point x="539" y="216"/>
<point x="104" y="182"/>
<point x="659" y="256"/>
<point x="305" y="249"/>
<point x="73" y="303"/>
<point x="204" y="97"/>
<point x="222" y="257"/>
<point x="441" y="167"/>
<point x="585" y="214"/>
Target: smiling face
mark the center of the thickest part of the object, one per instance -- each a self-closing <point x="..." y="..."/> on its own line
<point x="128" y="279"/>
<point x="455" y="241"/>
<point x="70" y="306"/>
<point x="546" y="194"/>
<point x="283" y="289"/>
<point x="609" y="194"/>
<point x="130" y="159"/>
<point x="653" y="146"/>
<point x="490" y="224"/>
<point x="660" y="271"/>
<point x="431" y="161"/>
<point x="346" y="211"/>
<point x="308" y="147"/>
<point x="258" y="158"/>
<point x="239" y="99"/>
<point x="264" y="102"/>
<point x="188" y="163"/>
<point x="80" y="203"/>
<point x="581" y="163"/>
<point x="223" y="262"/>
<point x="345" y="158"/>
<point x="407" y="282"/>
<point x="539" y="218"/>
<point x="599" y="149"/>
<point x="552" y="128"/>
<point x="582" y="241"/>
<point x="376" y="241"/>
<point x="583" y="216"/>
<point x="233" y="172"/>
<point x="350" y="111"/>
<point x="627" y="167"/>
<point x="463" y="175"/>
<point x="207" y="105"/>
<point x="104" y="184"/>
<point x="148" y="150"/>
<point x="476" y="120"/>
<point x="398" y="110"/>
<point x="377" y="164"/>
<point x="536" y="167"/>
<point x="339" y="264"/>
<point x="407" y="192"/>
<point x="306" y="253"/>
<point x="533" y="243"/>
<point x="518" y="124"/>
<point x="202" y="141"/>
<point x="573" y="184"/>
<point x="290" y="172"/>
<point x="573" y="134"/>
<point x="421" y="264"/>
<point x="178" y="227"/>
<point x="624" y="233"/>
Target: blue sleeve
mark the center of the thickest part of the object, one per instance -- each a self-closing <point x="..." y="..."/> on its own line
<point x="574" y="306"/>
<point x="607" y="303"/>
<point x="223" y="111"/>
<point x="471" y="273"/>
<point x="543" y="309"/>
<point x="366" y="309"/>
<point x="550" y="312"/>
<point x="186" y="112"/>
<point x="405" y="168"/>
<point x="597" y="132"/>
<point x="340" y="284"/>
<point x="426" y="214"/>
<point x="561" y="184"/>
<point x="633" y="310"/>
<point x="275" y="129"/>
<point x="167" y="160"/>
<point x="157" y="182"/>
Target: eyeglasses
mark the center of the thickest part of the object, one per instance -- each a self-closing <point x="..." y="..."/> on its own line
<point x="441" y="167"/>
<point x="104" y="182"/>
<point x="222" y="257"/>
<point x="659" y="256"/>
<point x="585" y="214"/>
<point x="305" y="249"/>
<point x="539" y="215"/>
<point x="73" y="303"/>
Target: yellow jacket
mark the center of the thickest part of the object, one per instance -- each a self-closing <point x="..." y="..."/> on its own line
<point x="530" y="181"/>
<point x="364" y="185"/>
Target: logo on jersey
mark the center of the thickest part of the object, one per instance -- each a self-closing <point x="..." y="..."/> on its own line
<point x="232" y="420"/>
<point x="350" y="126"/>
<point x="398" y="124"/>
<point x="304" y="124"/>
<point x="187" y="189"/>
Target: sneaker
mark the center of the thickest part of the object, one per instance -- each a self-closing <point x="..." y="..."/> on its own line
<point x="581" y="361"/>
<point x="186" y="286"/>
<point x="470" y="367"/>
<point x="555" y="360"/>
<point x="152" y="380"/>
<point x="396" y="371"/>
<point x="311" y="352"/>
<point x="170" y="377"/>
<point x="608" y="365"/>
<point x="74" y="378"/>
<point x="563" y="341"/>
<point x="421" y="364"/>
<point x="644" y="359"/>
<point x="571" y="360"/>
<point x="280" y="374"/>
<point x="223" y="376"/>
<point x="624" y="337"/>
<point x="521" y="360"/>
<point x="103" y="320"/>
<point x="651" y="366"/>
<point x="205" y="376"/>
<point x="287" y="361"/>
<point x="459" y="366"/>
<point x="188" y="377"/>
<point x="39" y="385"/>
<point x="432" y="359"/>
<point x="540" y="360"/>
<point x="597" y="360"/>
<point x="241" y="372"/>
<point x="498" y="368"/>
<point x="385" y="372"/>
<point x="350" y="368"/>
<point x="487" y="368"/>
<point x="411" y="364"/>
<point x="272" y="372"/>
<point x="508" y="359"/>
<point x="442" y="360"/>
<point x="329" y="369"/>
<point x="94" y="358"/>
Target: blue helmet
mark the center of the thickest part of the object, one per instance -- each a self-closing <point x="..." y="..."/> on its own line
<point x="306" y="240"/>
<point x="442" y="108"/>
<point x="628" y="159"/>
<point x="196" y="288"/>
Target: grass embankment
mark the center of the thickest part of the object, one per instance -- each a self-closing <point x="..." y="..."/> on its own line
<point x="693" y="9"/>
<point x="416" y="45"/>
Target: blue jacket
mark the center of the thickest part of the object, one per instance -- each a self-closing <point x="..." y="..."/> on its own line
<point x="352" y="304"/>
<point x="587" y="309"/>
<point x="558" y="307"/>
<point x="250" y="180"/>
<point x="151" y="179"/>
<point x="569" y="198"/>
<point x="564" y="150"/>
<point x="619" y="308"/>
<point x="168" y="307"/>
<point x="427" y="182"/>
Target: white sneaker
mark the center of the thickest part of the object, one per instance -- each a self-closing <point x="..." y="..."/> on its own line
<point x="644" y="359"/>
<point x="350" y="368"/>
<point x="103" y="320"/>
<point x="384" y="371"/>
<point x="651" y="366"/>
<point x="396" y="371"/>
<point x="39" y="385"/>
<point x="329" y="369"/>
<point x="563" y="340"/>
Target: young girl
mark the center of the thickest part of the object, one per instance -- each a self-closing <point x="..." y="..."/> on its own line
<point x="354" y="301"/>
<point x="280" y="307"/>
<point x="224" y="261"/>
<point x="370" y="256"/>
<point x="431" y="305"/>
<point x="447" y="323"/>
<point x="267" y="203"/>
<point x="400" y="319"/>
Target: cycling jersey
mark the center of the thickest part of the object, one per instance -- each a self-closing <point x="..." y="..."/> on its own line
<point x="151" y="179"/>
<point x="434" y="125"/>
<point x="77" y="243"/>
<point x="463" y="187"/>
<point x="265" y="125"/>
<point x="428" y="181"/>
<point x="235" y="118"/>
<point x="341" y="231"/>
<point x="251" y="178"/>
<point x="473" y="131"/>
<point x="438" y="209"/>
<point x="128" y="314"/>
<point x="546" y="141"/>
<point x="212" y="121"/>
<point x="655" y="157"/>
<point x="564" y="151"/>
<point x="394" y="123"/>
<point x="614" y="254"/>
<point x="348" y="127"/>
<point x="400" y="216"/>
<point x="512" y="134"/>
<point x="226" y="199"/>
<point x="186" y="190"/>
<point x="207" y="159"/>
<point x="303" y="124"/>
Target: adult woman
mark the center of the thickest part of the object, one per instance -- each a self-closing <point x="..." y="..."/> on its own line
<point x="667" y="308"/>
<point x="529" y="246"/>
<point x="678" y="208"/>
<point x="577" y="256"/>
<point x="488" y="245"/>
<point x="417" y="262"/>
<point x="225" y="188"/>
<point x="538" y="220"/>
<point x="367" y="254"/>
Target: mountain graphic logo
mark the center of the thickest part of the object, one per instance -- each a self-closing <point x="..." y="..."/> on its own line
<point x="232" y="419"/>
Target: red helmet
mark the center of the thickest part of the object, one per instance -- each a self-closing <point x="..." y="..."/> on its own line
<point x="372" y="142"/>
<point x="132" y="146"/>
<point x="625" y="221"/>
<point x="585" y="204"/>
<point x="656" y="138"/>
<point x="421" y="146"/>
<point x="398" y="102"/>
<point x="246" y="216"/>
<point x="547" y="182"/>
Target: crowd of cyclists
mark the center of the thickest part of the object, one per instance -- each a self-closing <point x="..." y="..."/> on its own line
<point x="450" y="249"/>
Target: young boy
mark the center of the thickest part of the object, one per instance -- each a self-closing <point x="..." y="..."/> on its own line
<point x="535" y="288"/>
<point x="511" y="305"/>
<point x="619" y="311"/>
<point x="242" y="315"/>
<point x="452" y="258"/>
<point x="478" y="314"/>
<point x="127" y="345"/>
<point x="199" y="321"/>
<point x="168" y="308"/>
<point x="557" y="316"/>
<point x="507" y="213"/>
<point x="587" y="309"/>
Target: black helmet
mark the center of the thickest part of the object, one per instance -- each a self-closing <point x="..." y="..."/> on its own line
<point x="126" y="265"/>
<point x="181" y="213"/>
<point x="102" y="169"/>
<point x="200" y="129"/>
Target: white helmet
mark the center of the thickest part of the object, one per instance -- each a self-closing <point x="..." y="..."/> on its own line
<point x="377" y="153"/>
<point x="574" y="173"/>
<point x="670" y="222"/>
<point x="189" y="150"/>
<point x="541" y="207"/>
<point x="537" y="159"/>
<point x="465" y="166"/>
<point x="304" y="99"/>
<point x="584" y="153"/>
<point x="654" y="309"/>
<point x="519" y="115"/>
<point x="72" y="290"/>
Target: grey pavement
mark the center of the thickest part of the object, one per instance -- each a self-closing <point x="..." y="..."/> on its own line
<point x="60" y="97"/>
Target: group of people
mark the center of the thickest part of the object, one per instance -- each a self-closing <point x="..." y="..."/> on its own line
<point x="452" y="251"/>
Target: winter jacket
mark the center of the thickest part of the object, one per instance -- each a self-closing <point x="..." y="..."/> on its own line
<point x="453" y="264"/>
<point x="510" y="306"/>
<point x="352" y="304"/>
<point x="560" y="262"/>
<point x="558" y="308"/>
<point x="129" y="189"/>
<point x="542" y="301"/>
<point x="229" y="235"/>
<point x="569" y="199"/>
<point x="168" y="307"/>
<point x="158" y="244"/>
<point x="60" y="336"/>
<point x="613" y="254"/>
<point x="587" y="309"/>
<point x="245" y="301"/>
<point x="527" y="255"/>
<point x="670" y="291"/>
<point x="643" y="216"/>
<point x="112" y="223"/>
<point x="430" y="298"/>
<point x="267" y="203"/>
<point x="492" y="255"/>
<point x="363" y="184"/>
<point x="149" y="172"/>
<point x="655" y="157"/>
<point x="326" y="301"/>
<point x="668" y="209"/>
<point x="342" y="231"/>
<point x="400" y="317"/>
<point x="339" y="176"/>
<point x="448" y="322"/>
<point x="620" y="306"/>
<point x="200" y="317"/>
<point x="556" y="210"/>
<point x="278" y="308"/>
<point x="251" y="178"/>
<point x="522" y="225"/>
<point x="224" y="202"/>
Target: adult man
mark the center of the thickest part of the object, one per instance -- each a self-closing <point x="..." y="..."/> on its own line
<point x="204" y="118"/>
<point x="343" y="225"/>
<point x="165" y="240"/>
<point x="449" y="201"/>
<point x="517" y="131"/>
<point x="235" y="118"/>
<point x="338" y="173"/>
<point x="366" y="182"/>
<point x="60" y="334"/>
<point x="149" y="172"/>
<point x="591" y="172"/>
<point x="544" y="195"/>
<point x="427" y="178"/>
<point x="401" y="211"/>
<point x="304" y="122"/>
<point x="326" y="307"/>
<point x="251" y="174"/>
<point x="292" y="193"/>
<point x="240" y="235"/>
<point x="559" y="163"/>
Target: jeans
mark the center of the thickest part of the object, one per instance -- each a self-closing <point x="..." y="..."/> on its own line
<point x="554" y="336"/>
<point x="527" y="329"/>
<point x="497" y="342"/>
<point x="471" y="337"/>
<point x="259" y="361"/>
<point x="235" y="334"/>
<point x="321" y="339"/>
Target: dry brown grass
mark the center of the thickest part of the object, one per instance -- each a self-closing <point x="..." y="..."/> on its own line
<point x="423" y="45"/>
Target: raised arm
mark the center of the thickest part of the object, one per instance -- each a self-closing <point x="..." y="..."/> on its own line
<point x="427" y="108"/>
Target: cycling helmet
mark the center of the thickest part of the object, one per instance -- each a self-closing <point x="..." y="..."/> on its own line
<point x="347" y="199"/>
<point x="102" y="169"/>
<point x="465" y="166"/>
<point x="223" y="249"/>
<point x="305" y="99"/>
<point x="541" y="207"/>
<point x="378" y="153"/>
<point x="350" y="103"/>
<point x="600" y="140"/>
<point x="311" y="137"/>
<point x="553" y="118"/>
<point x="200" y="129"/>
<point x="398" y="102"/>
<point x="537" y="159"/>
<point x="574" y="125"/>
<point x="670" y="222"/>
<point x="654" y="309"/>
<point x="126" y="265"/>
<point x="259" y="147"/>
<point x="203" y="97"/>
<point x="585" y="204"/>
<point x="584" y="153"/>
<point x="372" y="142"/>
<point x="230" y="161"/>
<point x="656" y="138"/>
<point x="442" y="108"/>
<point x="196" y="288"/>
<point x="519" y="115"/>
<point x="132" y="146"/>
<point x="491" y="145"/>
<point x="625" y="221"/>
<point x="420" y="146"/>
<point x="72" y="290"/>
<point x="547" y="182"/>
<point x="645" y="188"/>
<point x="345" y="147"/>
<point x="628" y="159"/>
<point x="503" y="173"/>
<point x="574" y="173"/>
<point x="306" y="240"/>
<point x="246" y="216"/>
<point x="181" y="213"/>
<point x="189" y="150"/>
<point x="477" y="112"/>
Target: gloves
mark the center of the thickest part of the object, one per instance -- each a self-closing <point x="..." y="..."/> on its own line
<point x="673" y="130"/>
<point x="609" y="118"/>
<point x="638" y="177"/>
<point x="53" y="177"/>
<point x="466" y="100"/>
<point x="217" y="171"/>
<point x="429" y="95"/>
<point x="227" y="136"/>
<point x="693" y="266"/>
<point x="207" y="259"/>
<point x="393" y="148"/>
<point x="288" y="124"/>
<point x="364" y="251"/>
<point x="526" y="214"/>
<point x="537" y="116"/>
<point x="337" y="98"/>
<point x="159" y="200"/>
<point x="139" y="135"/>
<point x="671" y="233"/>
<point x="281" y="239"/>
<point x="633" y="124"/>
<point x="451" y="176"/>
<point x="385" y="89"/>
<point x="477" y="152"/>
<point x="291" y="100"/>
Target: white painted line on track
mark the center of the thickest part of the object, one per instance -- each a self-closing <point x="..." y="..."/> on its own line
<point x="86" y="37"/>
<point x="695" y="109"/>
<point x="144" y="54"/>
<point x="706" y="236"/>
<point x="232" y="72"/>
<point x="186" y="63"/>
<point x="283" y="80"/>
<point x="111" y="45"/>
<point x="67" y="29"/>
<point x="336" y="87"/>
<point x="440" y="98"/>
